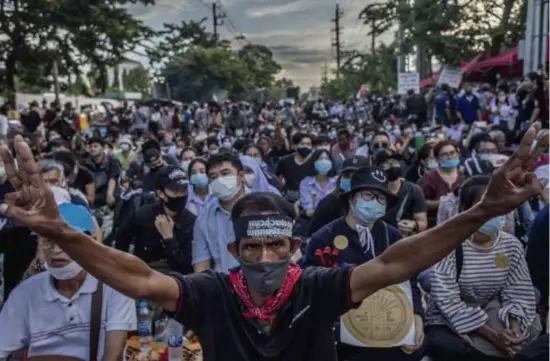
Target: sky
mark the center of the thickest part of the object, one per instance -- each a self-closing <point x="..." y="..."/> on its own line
<point x="296" y="31"/>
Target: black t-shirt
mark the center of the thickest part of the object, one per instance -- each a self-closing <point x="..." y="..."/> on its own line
<point x="410" y="200"/>
<point x="302" y="330"/>
<point x="82" y="179"/>
<point x="31" y="121"/>
<point x="292" y="172"/>
<point x="328" y="209"/>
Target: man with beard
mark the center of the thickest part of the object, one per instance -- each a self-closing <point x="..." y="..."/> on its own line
<point x="162" y="233"/>
<point x="268" y="308"/>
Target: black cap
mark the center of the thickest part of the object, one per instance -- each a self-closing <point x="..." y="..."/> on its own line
<point x="151" y="155"/>
<point x="170" y="177"/>
<point x="355" y="162"/>
<point x="369" y="178"/>
<point x="383" y="155"/>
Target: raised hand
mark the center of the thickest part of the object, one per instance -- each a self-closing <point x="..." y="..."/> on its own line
<point x="514" y="183"/>
<point x="32" y="204"/>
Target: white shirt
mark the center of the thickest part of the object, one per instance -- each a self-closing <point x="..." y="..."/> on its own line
<point x="38" y="318"/>
<point x="4" y="125"/>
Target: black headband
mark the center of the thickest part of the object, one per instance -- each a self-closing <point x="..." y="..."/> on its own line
<point x="262" y="226"/>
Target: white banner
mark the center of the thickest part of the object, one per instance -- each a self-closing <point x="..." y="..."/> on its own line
<point x="407" y="81"/>
<point x="451" y="76"/>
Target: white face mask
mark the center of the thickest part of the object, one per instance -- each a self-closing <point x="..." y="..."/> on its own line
<point x="68" y="272"/>
<point x="225" y="188"/>
<point x="227" y="145"/>
<point x="249" y="179"/>
<point x="185" y="164"/>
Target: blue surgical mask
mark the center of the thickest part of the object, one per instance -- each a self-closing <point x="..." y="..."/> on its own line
<point x="238" y="133"/>
<point x="199" y="180"/>
<point x="368" y="211"/>
<point x="432" y="165"/>
<point x="323" y="166"/>
<point x="493" y="226"/>
<point x="345" y="184"/>
<point x="2" y="172"/>
<point x="450" y="163"/>
<point x="484" y="156"/>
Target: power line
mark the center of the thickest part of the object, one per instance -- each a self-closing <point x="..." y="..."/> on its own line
<point x="337" y="31"/>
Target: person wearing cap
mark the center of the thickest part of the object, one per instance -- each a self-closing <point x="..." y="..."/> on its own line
<point x="273" y="309"/>
<point x="105" y="170"/>
<point x="409" y="209"/>
<point x="357" y="237"/>
<point x="162" y="232"/>
<point x="49" y="314"/>
<point x="330" y="207"/>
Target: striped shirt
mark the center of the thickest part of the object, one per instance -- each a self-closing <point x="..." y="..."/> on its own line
<point x="499" y="272"/>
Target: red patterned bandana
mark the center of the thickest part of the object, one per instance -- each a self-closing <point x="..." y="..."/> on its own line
<point x="274" y="302"/>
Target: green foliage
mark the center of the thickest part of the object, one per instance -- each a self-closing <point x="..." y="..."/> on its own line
<point x="199" y="72"/>
<point x="452" y="32"/>
<point x="377" y="69"/>
<point x="259" y="61"/>
<point x="137" y="80"/>
<point x="74" y="32"/>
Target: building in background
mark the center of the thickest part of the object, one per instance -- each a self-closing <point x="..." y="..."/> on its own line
<point x="534" y="49"/>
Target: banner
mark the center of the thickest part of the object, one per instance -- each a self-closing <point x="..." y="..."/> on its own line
<point x="408" y="81"/>
<point x="451" y="76"/>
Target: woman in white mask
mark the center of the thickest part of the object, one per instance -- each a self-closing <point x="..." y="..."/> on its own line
<point x="49" y="316"/>
<point x="254" y="177"/>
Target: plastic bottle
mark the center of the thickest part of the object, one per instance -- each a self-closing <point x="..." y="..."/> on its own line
<point x="145" y="323"/>
<point x="174" y="334"/>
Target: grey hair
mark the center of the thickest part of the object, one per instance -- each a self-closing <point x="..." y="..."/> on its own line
<point x="47" y="165"/>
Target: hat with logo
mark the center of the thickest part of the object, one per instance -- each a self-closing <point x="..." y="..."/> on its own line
<point x="384" y="155"/>
<point x="355" y="162"/>
<point x="171" y="177"/>
<point x="369" y="178"/>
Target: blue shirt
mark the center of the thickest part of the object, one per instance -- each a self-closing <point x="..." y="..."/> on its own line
<point x="441" y="103"/>
<point x="467" y="106"/>
<point x="311" y="192"/>
<point x="212" y="233"/>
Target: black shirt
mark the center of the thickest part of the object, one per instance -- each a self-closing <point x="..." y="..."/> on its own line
<point x="410" y="200"/>
<point x="292" y="172"/>
<point x="302" y="330"/>
<point x="149" y="244"/>
<point x="103" y="172"/>
<point x="82" y="179"/>
<point x="328" y="209"/>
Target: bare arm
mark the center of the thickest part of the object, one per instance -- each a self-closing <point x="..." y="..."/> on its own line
<point x="395" y="265"/>
<point x="421" y="220"/>
<point x="114" y="345"/>
<point x="201" y="266"/>
<point x="122" y="271"/>
<point x="90" y="193"/>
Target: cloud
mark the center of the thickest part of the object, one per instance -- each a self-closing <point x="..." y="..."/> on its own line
<point x="281" y="9"/>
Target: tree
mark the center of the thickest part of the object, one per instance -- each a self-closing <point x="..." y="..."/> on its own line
<point x="175" y="38"/>
<point x="259" y="61"/>
<point x="137" y="80"/>
<point x="199" y="72"/>
<point x="34" y="34"/>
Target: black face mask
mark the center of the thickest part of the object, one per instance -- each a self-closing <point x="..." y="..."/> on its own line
<point x="393" y="173"/>
<point x="176" y="204"/>
<point x="303" y="151"/>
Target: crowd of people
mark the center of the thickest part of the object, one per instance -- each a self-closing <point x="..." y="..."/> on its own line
<point x="276" y="222"/>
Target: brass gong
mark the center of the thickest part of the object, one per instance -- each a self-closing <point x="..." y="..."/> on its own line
<point x="383" y="319"/>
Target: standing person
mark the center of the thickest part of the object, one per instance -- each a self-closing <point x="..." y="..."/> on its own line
<point x="266" y="287"/>
<point x="162" y="233"/>
<point x="467" y="107"/>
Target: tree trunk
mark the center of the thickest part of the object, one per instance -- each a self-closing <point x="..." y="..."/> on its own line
<point x="496" y="46"/>
<point x="10" y="79"/>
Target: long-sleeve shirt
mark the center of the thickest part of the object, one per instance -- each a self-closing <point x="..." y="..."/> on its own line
<point x="487" y="274"/>
<point x="149" y="244"/>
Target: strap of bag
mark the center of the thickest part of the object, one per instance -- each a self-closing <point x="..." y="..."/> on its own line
<point x="95" y="321"/>
<point x="459" y="257"/>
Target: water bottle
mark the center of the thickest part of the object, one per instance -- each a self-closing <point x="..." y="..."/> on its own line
<point x="174" y="334"/>
<point x="145" y="323"/>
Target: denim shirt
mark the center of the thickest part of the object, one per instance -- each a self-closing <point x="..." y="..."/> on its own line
<point x="311" y="192"/>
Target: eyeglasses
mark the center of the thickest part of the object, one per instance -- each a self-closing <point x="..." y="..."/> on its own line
<point x="370" y="195"/>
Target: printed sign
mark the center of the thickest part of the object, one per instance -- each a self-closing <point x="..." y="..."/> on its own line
<point x="407" y="81"/>
<point x="451" y="76"/>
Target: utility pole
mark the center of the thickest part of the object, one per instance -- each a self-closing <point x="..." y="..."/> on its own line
<point x="217" y="19"/>
<point x="373" y="38"/>
<point x="324" y="74"/>
<point x="337" y="32"/>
